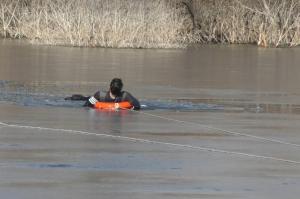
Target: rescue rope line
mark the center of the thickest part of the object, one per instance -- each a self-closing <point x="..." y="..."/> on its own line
<point x="132" y="139"/>
<point x="224" y="131"/>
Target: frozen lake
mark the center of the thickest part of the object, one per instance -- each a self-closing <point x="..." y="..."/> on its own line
<point x="219" y="122"/>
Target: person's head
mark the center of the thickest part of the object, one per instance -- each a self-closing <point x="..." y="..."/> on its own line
<point x="116" y="86"/>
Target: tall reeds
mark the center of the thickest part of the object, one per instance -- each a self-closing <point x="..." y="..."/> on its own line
<point x="264" y="22"/>
<point x="105" y="23"/>
<point x="151" y="24"/>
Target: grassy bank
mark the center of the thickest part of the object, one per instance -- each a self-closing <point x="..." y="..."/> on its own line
<point x="151" y="24"/>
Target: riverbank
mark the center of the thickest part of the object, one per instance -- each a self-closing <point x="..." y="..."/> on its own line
<point x="152" y="24"/>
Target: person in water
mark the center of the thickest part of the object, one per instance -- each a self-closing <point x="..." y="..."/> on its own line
<point x="115" y="94"/>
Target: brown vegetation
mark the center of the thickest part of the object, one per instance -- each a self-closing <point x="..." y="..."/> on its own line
<point x="106" y="23"/>
<point x="264" y="22"/>
<point x="151" y="24"/>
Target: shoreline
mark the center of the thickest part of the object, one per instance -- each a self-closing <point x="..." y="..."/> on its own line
<point x="187" y="47"/>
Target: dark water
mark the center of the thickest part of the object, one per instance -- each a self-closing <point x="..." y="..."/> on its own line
<point x="36" y="95"/>
<point x="58" y="149"/>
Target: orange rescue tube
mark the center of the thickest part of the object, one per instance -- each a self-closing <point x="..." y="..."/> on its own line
<point x="113" y="105"/>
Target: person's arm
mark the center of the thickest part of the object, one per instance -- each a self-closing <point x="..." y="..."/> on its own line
<point x="128" y="97"/>
<point x="77" y="97"/>
<point x="91" y="101"/>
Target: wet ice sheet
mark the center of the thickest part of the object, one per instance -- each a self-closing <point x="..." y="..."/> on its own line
<point x="42" y="162"/>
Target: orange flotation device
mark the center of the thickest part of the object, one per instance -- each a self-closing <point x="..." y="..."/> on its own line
<point x="113" y="105"/>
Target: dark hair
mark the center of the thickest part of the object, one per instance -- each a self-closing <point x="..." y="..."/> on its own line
<point x="116" y="86"/>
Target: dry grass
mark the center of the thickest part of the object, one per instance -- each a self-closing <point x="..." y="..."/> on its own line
<point x="105" y="23"/>
<point x="151" y="24"/>
<point x="264" y="22"/>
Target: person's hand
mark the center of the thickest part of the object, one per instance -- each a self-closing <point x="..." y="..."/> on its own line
<point x="117" y="106"/>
